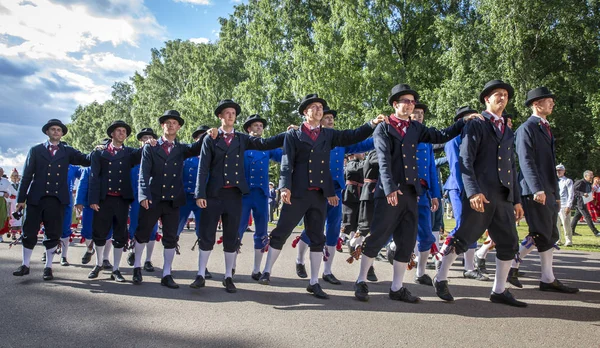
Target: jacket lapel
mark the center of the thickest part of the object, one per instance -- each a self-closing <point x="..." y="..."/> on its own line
<point x="60" y="153"/>
<point x="234" y="145"/>
<point x="45" y="153"/>
<point x="304" y="137"/>
<point x="160" y="152"/>
<point x="392" y="130"/>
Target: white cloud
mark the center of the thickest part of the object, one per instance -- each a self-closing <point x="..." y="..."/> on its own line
<point x="12" y="158"/>
<point x="107" y="61"/>
<point x="195" y="2"/>
<point x="200" y="40"/>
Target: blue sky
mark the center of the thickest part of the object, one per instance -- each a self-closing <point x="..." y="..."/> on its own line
<point x="57" y="54"/>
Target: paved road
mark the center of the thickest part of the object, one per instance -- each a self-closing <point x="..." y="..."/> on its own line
<point x="72" y="311"/>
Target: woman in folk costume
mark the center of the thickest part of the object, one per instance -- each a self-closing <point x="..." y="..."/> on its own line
<point x="594" y="205"/>
<point x="15" y="224"/>
<point x="6" y="191"/>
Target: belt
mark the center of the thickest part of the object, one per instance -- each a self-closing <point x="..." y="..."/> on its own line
<point x="114" y="194"/>
<point x="355" y="183"/>
<point x="314" y="188"/>
<point x="370" y="180"/>
<point x="229" y="186"/>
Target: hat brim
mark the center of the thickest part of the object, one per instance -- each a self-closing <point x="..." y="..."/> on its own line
<point x="332" y="112"/>
<point x="463" y="113"/>
<point x="395" y="96"/>
<point x="111" y="129"/>
<point x="163" y="118"/>
<point x="198" y="133"/>
<point x="505" y="86"/>
<point x="309" y="101"/>
<point x="141" y="134"/>
<point x="528" y="102"/>
<point x="250" y="122"/>
<point x="222" y="107"/>
<point x="50" y="124"/>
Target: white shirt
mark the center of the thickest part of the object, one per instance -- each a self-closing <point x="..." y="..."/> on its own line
<point x="565" y="186"/>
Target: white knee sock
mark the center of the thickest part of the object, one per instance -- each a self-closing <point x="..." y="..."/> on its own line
<point x="203" y="262"/>
<point x="483" y="251"/>
<point x="327" y="264"/>
<point x="502" y="269"/>
<point x="50" y="257"/>
<point x="258" y="256"/>
<point x="315" y="266"/>
<point x="139" y="249"/>
<point x="399" y="269"/>
<point x="169" y="255"/>
<point x="65" y="246"/>
<point x="423" y="256"/>
<point x="150" y="250"/>
<point x="117" y="253"/>
<point x="436" y="236"/>
<point x="27" y="256"/>
<point x="445" y="266"/>
<point x="523" y="251"/>
<point x="88" y="242"/>
<point x="107" y="249"/>
<point x="272" y="256"/>
<point x="302" y="248"/>
<point x="546" y="261"/>
<point x="469" y="260"/>
<point x="99" y="254"/>
<point x="229" y="261"/>
<point x="365" y="263"/>
<point x="416" y="249"/>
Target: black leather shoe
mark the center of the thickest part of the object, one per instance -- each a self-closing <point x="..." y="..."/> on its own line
<point x="87" y="257"/>
<point x="106" y="265"/>
<point x="301" y="270"/>
<point x="148" y="267"/>
<point x="94" y="272"/>
<point x="256" y="276"/>
<point x="476" y="274"/>
<point x="557" y="286"/>
<point x="330" y="278"/>
<point x="442" y="291"/>
<point x="513" y="278"/>
<point x="361" y="291"/>
<point x="21" y="271"/>
<point x="506" y="298"/>
<point x="371" y="276"/>
<point x="64" y="262"/>
<point x="207" y="274"/>
<point x="424" y="280"/>
<point x="169" y="282"/>
<point x="44" y="257"/>
<point x="232" y="272"/>
<point x="116" y="275"/>
<point x="265" y="279"/>
<point x="403" y="295"/>
<point x="198" y="283"/>
<point x="229" y="286"/>
<point x="137" y="275"/>
<point x="131" y="259"/>
<point x="480" y="265"/>
<point x="317" y="291"/>
<point x="48" y="273"/>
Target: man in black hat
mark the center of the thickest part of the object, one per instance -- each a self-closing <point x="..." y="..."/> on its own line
<point x="44" y="188"/>
<point x="491" y="198"/>
<point x="220" y="185"/>
<point x="539" y="189"/>
<point x="161" y="193"/>
<point x="395" y="212"/>
<point x="306" y="183"/>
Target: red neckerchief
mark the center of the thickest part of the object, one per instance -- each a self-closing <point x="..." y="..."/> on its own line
<point x="312" y="133"/>
<point x="400" y="125"/>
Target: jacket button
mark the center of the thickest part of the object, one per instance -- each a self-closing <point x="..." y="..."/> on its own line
<point x="227" y="181"/>
<point x="237" y="182"/>
<point x="322" y="173"/>
<point x="310" y="171"/>
<point x="225" y="174"/>
<point x="321" y="181"/>
<point x="109" y="179"/>
<point x="309" y="161"/>
<point x="47" y="183"/>
<point x="57" y="174"/>
<point x="164" y="185"/>
<point x="171" y="196"/>
<point x="165" y="174"/>
<point x="49" y="165"/>
<point x="163" y="197"/>
<point x="251" y="177"/>
<point x="59" y="166"/>
<point x="509" y="171"/>
<point x="225" y="164"/>
<point x="405" y="167"/>
<point x="499" y="157"/>
<point x="404" y="156"/>
<point x="175" y="163"/>
<point x="322" y="161"/>
<point x="499" y="169"/>
<point x="174" y="175"/>
<point x="236" y="173"/>
<point x="109" y="172"/>
<point x="47" y="192"/>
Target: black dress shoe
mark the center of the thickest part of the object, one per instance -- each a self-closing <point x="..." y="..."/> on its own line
<point x="330" y="278"/>
<point x="256" y="276"/>
<point x="131" y="259"/>
<point x="442" y="291"/>
<point x="198" y="283"/>
<point x="361" y="291"/>
<point x="116" y="275"/>
<point x="232" y="272"/>
<point x="229" y="286"/>
<point x="106" y="265"/>
<point x="207" y="274"/>
<point x="265" y="279"/>
<point x="506" y="298"/>
<point x="87" y="257"/>
<point x="137" y="275"/>
<point x="557" y="286"/>
<point x="476" y="274"/>
<point x="169" y="282"/>
<point x="301" y="270"/>
<point x="21" y="271"/>
<point x="513" y="278"/>
<point x="64" y="262"/>
<point x="480" y="265"/>
<point x="424" y="280"/>
<point x="317" y="291"/>
<point x="371" y="276"/>
<point x="94" y="272"/>
<point x="48" y="273"/>
<point x="403" y="295"/>
<point x="148" y="267"/>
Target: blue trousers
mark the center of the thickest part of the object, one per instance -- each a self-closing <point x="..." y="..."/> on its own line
<point x="333" y="223"/>
<point x="134" y="214"/>
<point x="87" y="217"/>
<point x="184" y="213"/>
<point x="66" y="231"/>
<point x="425" y="238"/>
<point x="258" y="203"/>
<point x="456" y="202"/>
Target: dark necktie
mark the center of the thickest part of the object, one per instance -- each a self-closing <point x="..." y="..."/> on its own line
<point x="499" y="123"/>
<point x="547" y="126"/>
<point x="401" y="125"/>
<point x="228" y="137"/>
<point x="53" y="149"/>
<point x="167" y="146"/>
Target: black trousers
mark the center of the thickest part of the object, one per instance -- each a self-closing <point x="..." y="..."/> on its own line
<point x="112" y="214"/>
<point x="169" y="216"/>
<point x="51" y="213"/>
<point x="365" y="216"/>
<point x="583" y="211"/>
<point x="542" y="219"/>
<point x="313" y="207"/>
<point x="498" y="218"/>
<point x="350" y="211"/>
<point x="400" y="222"/>
<point x="227" y="207"/>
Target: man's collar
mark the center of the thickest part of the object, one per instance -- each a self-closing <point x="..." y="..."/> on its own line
<point x="222" y="131"/>
<point x="491" y="115"/>
<point x="541" y="119"/>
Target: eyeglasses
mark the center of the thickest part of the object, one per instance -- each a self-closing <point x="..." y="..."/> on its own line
<point x="407" y="101"/>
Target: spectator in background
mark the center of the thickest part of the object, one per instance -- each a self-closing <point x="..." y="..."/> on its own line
<point x="565" y="186"/>
<point x="583" y="188"/>
<point x="594" y="205"/>
<point x="272" y="201"/>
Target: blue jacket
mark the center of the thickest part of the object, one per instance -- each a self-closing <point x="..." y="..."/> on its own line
<point x="74" y="173"/>
<point x="427" y="170"/>
<point x="81" y="196"/>
<point x="190" y="173"/>
<point x="452" y="150"/>
<point x="256" y="163"/>
<point x="336" y="160"/>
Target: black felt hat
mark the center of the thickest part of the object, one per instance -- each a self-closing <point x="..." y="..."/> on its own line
<point x="116" y="124"/>
<point x="422" y="107"/>
<point x="171" y="114"/>
<point x="254" y="118"/>
<point x="199" y="131"/>
<point x="327" y="111"/>
<point x="55" y="122"/>
<point x="538" y="93"/>
<point x="309" y="99"/>
<point x="401" y="89"/>
<point x="146" y="131"/>
<point x="228" y="103"/>
<point x="463" y="111"/>
<point x="495" y="84"/>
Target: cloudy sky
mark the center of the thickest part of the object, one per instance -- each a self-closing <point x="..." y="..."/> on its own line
<point x="57" y="54"/>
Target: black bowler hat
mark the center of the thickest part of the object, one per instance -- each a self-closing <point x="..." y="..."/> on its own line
<point x="401" y="89"/>
<point x="309" y="99"/>
<point x="146" y="131"/>
<point x="115" y="125"/>
<point x="254" y="118"/>
<point x="327" y="111"/>
<point x="537" y="94"/>
<point x="507" y="115"/>
<point x="495" y="84"/>
<point x="422" y="107"/>
<point x="171" y="114"/>
<point x="228" y="103"/>
<point x="199" y="131"/>
<point x="463" y="111"/>
<point x="55" y="122"/>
